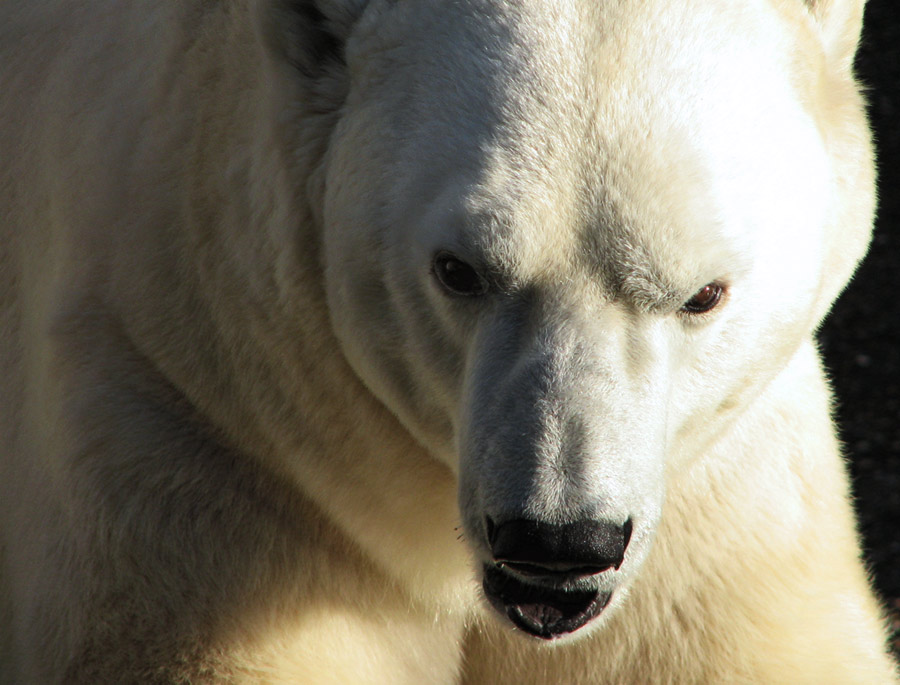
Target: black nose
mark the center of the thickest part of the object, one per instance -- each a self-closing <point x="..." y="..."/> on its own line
<point x="580" y="548"/>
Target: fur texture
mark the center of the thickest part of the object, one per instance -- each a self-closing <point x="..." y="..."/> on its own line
<point x="249" y="433"/>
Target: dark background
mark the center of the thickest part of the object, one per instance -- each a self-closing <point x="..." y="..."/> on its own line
<point x="861" y="339"/>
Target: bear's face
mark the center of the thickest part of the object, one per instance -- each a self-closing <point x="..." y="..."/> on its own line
<point x="566" y="244"/>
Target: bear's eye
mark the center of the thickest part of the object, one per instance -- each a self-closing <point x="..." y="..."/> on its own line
<point x="704" y="299"/>
<point x="456" y="276"/>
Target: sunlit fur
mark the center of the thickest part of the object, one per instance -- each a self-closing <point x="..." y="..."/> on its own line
<point x="247" y="435"/>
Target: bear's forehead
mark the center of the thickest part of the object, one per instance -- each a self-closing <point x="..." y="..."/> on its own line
<point x="598" y="135"/>
<point x="564" y="63"/>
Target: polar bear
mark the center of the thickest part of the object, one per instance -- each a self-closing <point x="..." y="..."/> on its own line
<point x="390" y="341"/>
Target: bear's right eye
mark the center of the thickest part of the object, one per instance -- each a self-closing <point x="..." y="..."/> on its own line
<point x="457" y="277"/>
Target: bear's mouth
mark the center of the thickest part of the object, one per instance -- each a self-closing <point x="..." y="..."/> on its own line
<point x="541" y="611"/>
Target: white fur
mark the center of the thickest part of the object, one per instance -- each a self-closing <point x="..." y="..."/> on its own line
<point x="246" y="434"/>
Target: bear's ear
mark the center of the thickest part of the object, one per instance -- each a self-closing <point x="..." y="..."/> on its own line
<point x="307" y="34"/>
<point x="840" y="22"/>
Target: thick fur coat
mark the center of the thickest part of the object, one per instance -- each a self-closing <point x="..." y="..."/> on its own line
<point x="392" y="341"/>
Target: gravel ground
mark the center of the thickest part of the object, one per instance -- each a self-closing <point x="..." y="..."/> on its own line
<point x="861" y="339"/>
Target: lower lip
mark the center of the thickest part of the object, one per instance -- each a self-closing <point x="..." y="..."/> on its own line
<point x="544" y="612"/>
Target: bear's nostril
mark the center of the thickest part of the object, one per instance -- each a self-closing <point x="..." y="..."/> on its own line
<point x="490" y="530"/>
<point x="581" y="548"/>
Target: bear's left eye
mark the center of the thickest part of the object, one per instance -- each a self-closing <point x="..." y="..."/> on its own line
<point x="704" y="299"/>
<point x="456" y="276"/>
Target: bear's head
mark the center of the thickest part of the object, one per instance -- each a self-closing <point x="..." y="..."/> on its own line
<point x="568" y="243"/>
